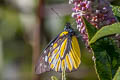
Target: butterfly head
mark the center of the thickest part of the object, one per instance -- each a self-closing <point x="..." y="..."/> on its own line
<point x="69" y="28"/>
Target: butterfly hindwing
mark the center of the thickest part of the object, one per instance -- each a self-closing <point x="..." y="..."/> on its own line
<point x="75" y="52"/>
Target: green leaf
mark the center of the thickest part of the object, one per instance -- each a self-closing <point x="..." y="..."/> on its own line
<point x="106" y="55"/>
<point x="103" y="67"/>
<point x="105" y="31"/>
<point x="107" y="58"/>
<point x="117" y="75"/>
<point x="90" y="29"/>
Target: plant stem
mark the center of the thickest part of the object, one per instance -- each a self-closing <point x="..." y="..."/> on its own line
<point x="63" y="75"/>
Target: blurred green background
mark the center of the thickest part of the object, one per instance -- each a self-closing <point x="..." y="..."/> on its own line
<point x="26" y="27"/>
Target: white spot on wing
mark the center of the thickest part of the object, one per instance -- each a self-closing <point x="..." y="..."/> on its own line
<point x="46" y="58"/>
<point x="52" y="44"/>
<point x="45" y="51"/>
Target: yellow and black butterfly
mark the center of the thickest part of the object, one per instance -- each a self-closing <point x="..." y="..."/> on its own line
<point x="62" y="53"/>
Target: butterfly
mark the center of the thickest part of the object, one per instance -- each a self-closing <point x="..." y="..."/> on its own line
<point x="62" y="53"/>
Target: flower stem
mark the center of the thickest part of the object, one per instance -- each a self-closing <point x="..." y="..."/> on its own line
<point x="63" y="75"/>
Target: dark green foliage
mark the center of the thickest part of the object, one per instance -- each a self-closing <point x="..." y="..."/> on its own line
<point x="116" y="10"/>
<point x="118" y="18"/>
<point x="115" y="2"/>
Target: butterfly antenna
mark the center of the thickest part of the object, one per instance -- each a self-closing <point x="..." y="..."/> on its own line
<point x="55" y="12"/>
<point x="60" y="16"/>
<point x="73" y="23"/>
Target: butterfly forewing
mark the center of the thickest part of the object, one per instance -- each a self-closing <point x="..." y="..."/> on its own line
<point x="47" y="56"/>
<point x="42" y="65"/>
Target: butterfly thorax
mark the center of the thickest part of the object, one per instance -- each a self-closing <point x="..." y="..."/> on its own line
<point x="69" y="29"/>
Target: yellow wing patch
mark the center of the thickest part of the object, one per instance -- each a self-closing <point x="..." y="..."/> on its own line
<point x="55" y="45"/>
<point x="75" y="52"/>
<point x="58" y="65"/>
<point x="76" y="58"/>
<point x="50" y="60"/>
<point x="75" y="45"/>
<point x="63" y="47"/>
<point x="57" y="56"/>
<point x="56" y="50"/>
<point x="49" y="54"/>
<point x="73" y="59"/>
<point x="52" y="66"/>
<point x="64" y="33"/>
<point x="63" y="65"/>
<point x="69" y="65"/>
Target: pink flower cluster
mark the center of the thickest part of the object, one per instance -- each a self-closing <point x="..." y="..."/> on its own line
<point x="97" y="12"/>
